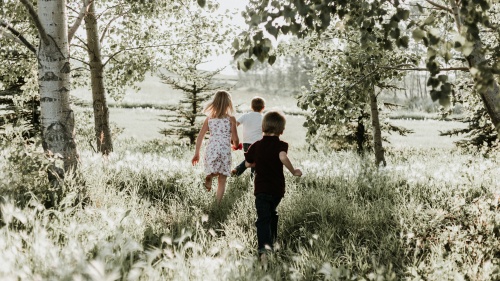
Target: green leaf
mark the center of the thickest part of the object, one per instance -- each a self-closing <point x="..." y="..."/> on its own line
<point x="434" y="95"/>
<point x="202" y="3"/>
<point x="236" y="43"/>
<point x="420" y="8"/>
<point x="403" y="41"/>
<point x="429" y="20"/>
<point x="418" y="34"/>
<point x="432" y="82"/>
<point x="271" y="60"/>
<point x="444" y="97"/>
<point x="295" y="28"/>
<point x="239" y="52"/>
<point x="443" y="78"/>
<point x="258" y="36"/>
<point x="248" y="63"/>
<point x="387" y="45"/>
<point x="433" y="40"/>
<point x="395" y="33"/>
<point x="285" y="29"/>
<point x="403" y="14"/>
<point x="272" y="30"/>
<point x="410" y="24"/>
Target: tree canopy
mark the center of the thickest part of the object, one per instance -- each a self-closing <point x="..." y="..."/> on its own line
<point x="472" y="45"/>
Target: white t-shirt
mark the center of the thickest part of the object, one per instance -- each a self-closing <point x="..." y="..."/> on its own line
<point x="252" y="126"/>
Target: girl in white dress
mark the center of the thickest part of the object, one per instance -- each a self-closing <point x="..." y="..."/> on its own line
<point x="221" y="124"/>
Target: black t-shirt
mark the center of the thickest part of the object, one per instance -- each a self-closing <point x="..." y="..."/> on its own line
<point x="269" y="178"/>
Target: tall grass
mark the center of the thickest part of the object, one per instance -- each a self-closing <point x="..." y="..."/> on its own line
<point x="431" y="214"/>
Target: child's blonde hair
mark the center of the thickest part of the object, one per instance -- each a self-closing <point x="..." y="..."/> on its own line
<point x="220" y="106"/>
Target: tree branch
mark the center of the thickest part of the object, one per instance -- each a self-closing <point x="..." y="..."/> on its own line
<point x="146" y="47"/>
<point x="82" y="61"/>
<point x="456" y="14"/>
<point x="36" y="20"/>
<point x="79" y="19"/>
<point x="403" y="68"/>
<point x="363" y="78"/>
<point x="439" y="6"/>
<point x="16" y="36"/>
<point x="108" y="9"/>
<point x="109" y="23"/>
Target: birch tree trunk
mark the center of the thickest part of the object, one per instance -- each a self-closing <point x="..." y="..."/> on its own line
<point x="377" y="133"/>
<point x="101" y="111"/>
<point x="54" y="82"/>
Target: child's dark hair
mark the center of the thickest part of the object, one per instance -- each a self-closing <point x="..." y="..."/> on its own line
<point x="273" y="123"/>
<point x="258" y="104"/>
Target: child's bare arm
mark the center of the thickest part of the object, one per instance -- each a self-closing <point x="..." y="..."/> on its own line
<point x="286" y="162"/>
<point x="199" y="141"/>
<point x="234" y="132"/>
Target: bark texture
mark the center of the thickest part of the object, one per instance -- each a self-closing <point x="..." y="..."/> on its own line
<point x="57" y="118"/>
<point x="377" y="133"/>
<point x="101" y="112"/>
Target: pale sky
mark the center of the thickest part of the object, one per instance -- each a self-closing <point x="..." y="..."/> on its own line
<point x="233" y="4"/>
<point x="224" y="60"/>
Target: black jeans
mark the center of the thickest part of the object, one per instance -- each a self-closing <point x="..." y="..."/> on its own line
<point x="241" y="167"/>
<point x="267" y="220"/>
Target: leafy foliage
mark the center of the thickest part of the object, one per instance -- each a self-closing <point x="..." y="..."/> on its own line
<point x="24" y="166"/>
<point x="399" y="22"/>
<point x="347" y="67"/>
<point x="480" y="134"/>
<point x="17" y="108"/>
<point x="204" y="38"/>
<point x="286" y="76"/>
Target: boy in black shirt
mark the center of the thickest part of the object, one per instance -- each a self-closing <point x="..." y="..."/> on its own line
<point x="268" y="156"/>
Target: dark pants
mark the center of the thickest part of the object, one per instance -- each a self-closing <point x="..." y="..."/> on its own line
<point x="267" y="220"/>
<point x="241" y="167"/>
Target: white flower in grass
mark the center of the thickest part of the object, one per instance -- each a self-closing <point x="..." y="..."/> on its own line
<point x="10" y="211"/>
<point x="204" y="218"/>
<point x="96" y="270"/>
<point x="236" y="245"/>
<point x="327" y="270"/>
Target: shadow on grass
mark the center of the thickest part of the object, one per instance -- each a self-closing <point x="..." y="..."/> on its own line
<point x="217" y="214"/>
<point x="236" y="188"/>
<point x="351" y="224"/>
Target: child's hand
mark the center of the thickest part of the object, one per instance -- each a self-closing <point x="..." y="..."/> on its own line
<point x="297" y="172"/>
<point x="196" y="159"/>
<point x="239" y="147"/>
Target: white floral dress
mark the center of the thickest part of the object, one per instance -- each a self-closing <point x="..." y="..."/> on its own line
<point x="218" y="150"/>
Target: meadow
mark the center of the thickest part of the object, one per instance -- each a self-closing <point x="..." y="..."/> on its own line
<point x="430" y="214"/>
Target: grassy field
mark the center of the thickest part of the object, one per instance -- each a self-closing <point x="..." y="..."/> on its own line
<point x="141" y="120"/>
<point x="431" y="214"/>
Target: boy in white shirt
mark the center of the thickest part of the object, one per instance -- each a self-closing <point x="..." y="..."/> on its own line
<point x="252" y="130"/>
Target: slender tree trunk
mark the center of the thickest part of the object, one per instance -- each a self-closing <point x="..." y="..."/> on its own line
<point x="377" y="133"/>
<point x="360" y="135"/>
<point x="101" y="111"/>
<point x="57" y="118"/>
